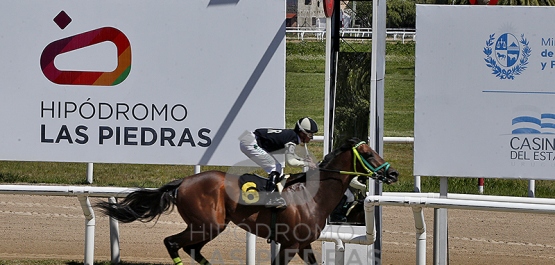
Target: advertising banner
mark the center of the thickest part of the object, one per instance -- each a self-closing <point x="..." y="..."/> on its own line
<point x="485" y="92"/>
<point x="139" y="81"/>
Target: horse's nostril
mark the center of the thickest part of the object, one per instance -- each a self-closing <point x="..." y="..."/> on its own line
<point x="394" y="174"/>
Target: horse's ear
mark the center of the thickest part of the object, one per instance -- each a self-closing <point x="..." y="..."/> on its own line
<point x="353" y="141"/>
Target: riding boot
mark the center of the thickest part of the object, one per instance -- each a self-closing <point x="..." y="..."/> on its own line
<point x="338" y="214"/>
<point x="274" y="198"/>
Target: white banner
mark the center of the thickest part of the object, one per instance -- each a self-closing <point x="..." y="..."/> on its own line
<point x="139" y="81"/>
<point x="484" y="92"/>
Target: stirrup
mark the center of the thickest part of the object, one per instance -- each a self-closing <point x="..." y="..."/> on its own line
<point x="276" y="201"/>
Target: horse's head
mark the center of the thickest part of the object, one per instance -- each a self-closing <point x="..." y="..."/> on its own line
<point x="365" y="162"/>
<point x="372" y="163"/>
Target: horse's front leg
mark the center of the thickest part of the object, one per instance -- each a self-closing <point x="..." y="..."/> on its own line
<point x="286" y="254"/>
<point x="307" y="255"/>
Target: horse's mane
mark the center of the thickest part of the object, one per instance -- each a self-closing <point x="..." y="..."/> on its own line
<point x="298" y="178"/>
<point x="347" y="145"/>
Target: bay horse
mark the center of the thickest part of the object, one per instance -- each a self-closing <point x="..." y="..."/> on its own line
<point x="208" y="201"/>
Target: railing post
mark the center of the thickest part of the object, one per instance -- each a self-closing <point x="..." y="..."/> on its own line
<point x="114" y="237"/>
<point x="89" y="229"/>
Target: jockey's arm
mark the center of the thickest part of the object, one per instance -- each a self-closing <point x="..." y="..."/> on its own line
<point x="292" y="158"/>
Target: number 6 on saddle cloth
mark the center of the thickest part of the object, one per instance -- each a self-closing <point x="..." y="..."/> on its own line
<point x="254" y="188"/>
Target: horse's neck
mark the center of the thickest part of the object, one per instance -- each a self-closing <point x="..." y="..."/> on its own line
<point x="331" y="190"/>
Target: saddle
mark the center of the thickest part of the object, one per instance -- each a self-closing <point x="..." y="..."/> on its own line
<point x="253" y="188"/>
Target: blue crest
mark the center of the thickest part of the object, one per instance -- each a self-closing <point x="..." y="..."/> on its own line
<point x="507" y="56"/>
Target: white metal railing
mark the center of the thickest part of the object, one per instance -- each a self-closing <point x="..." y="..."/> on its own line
<point x="307" y="33"/>
<point x="318" y="138"/>
<point x="82" y="193"/>
<point x="418" y="201"/>
<point x="318" y="33"/>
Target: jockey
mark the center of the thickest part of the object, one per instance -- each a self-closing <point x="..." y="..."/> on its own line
<point x="261" y="143"/>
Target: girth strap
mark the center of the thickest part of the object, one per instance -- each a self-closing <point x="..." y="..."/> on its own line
<point x="272" y="227"/>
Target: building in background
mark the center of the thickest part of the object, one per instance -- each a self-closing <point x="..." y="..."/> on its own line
<point x="291" y="17"/>
<point x="310" y="14"/>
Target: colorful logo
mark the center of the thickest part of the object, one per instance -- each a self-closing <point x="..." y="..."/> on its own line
<point x="507" y="56"/>
<point x="82" y="40"/>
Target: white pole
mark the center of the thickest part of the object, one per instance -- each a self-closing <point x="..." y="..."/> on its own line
<point x="440" y="227"/>
<point x="531" y="188"/>
<point x="327" y="88"/>
<point x="417" y="184"/>
<point x="339" y="255"/>
<point x="89" y="173"/>
<point x="89" y="229"/>
<point x="377" y="76"/>
<point x="420" y="226"/>
<point x="114" y="237"/>
<point x="369" y="219"/>
<point x="377" y="107"/>
<point x="251" y="249"/>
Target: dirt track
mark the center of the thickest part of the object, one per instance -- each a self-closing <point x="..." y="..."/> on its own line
<point x="40" y="227"/>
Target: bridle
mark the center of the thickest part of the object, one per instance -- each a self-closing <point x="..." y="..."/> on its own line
<point x="370" y="170"/>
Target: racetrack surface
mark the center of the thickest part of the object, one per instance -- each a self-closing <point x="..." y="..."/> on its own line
<point x="44" y="227"/>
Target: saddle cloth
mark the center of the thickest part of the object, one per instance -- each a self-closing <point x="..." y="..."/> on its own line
<point x="253" y="188"/>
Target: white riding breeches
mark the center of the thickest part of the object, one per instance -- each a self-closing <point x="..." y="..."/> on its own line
<point x="250" y="148"/>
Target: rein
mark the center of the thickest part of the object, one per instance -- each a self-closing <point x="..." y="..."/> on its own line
<point x="370" y="170"/>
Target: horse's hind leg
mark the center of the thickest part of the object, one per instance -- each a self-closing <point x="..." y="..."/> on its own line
<point x="173" y="244"/>
<point x="191" y="240"/>
<point x="194" y="252"/>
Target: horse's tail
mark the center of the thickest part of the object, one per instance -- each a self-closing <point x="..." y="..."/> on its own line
<point x="143" y="204"/>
